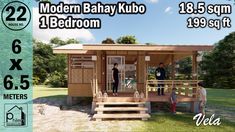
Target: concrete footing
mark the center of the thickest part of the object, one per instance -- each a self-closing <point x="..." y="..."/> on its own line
<point x="148" y="105"/>
<point x="93" y="107"/>
<point x="194" y="106"/>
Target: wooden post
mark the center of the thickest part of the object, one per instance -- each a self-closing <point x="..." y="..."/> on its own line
<point x="69" y="68"/>
<point x="194" y="76"/>
<point x="69" y="100"/>
<point x="148" y="105"/>
<point x="194" y="65"/>
<point x="103" y="70"/>
<point x="172" y="67"/>
<point x="93" y="106"/>
<point x="172" y="71"/>
<point x="146" y="81"/>
<point x="194" y="70"/>
<point x="146" y="89"/>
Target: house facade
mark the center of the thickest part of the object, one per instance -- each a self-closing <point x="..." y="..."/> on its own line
<point x="90" y="68"/>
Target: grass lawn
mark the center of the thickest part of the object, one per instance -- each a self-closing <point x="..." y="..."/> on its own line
<point x="221" y="97"/>
<point x="166" y="121"/>
<point x="44" y="91"/>
<point x="182" y="122"/>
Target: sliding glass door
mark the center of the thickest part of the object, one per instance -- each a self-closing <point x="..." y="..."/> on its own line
<point x="120" y="60"/>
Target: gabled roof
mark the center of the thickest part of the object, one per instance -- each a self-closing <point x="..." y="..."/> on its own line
<point x="83" y="48"/>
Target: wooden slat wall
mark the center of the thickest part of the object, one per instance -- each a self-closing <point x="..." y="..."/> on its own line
<point x="82" y="90"/>
<point x="76" y="75"/>
<point x="87" y="75"/>
<point x="79" y="83"/>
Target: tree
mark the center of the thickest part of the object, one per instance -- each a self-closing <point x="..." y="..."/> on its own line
<point x="57" y="41"/>
<point x="72" y="41"/>
<point x="41" y="57"/>
<point x="108" y="41"/>
<point x="185" y="67"/>
<point x="128" y="39"/>
<point x="218" y="66"/>
<point x="49" y="68"/>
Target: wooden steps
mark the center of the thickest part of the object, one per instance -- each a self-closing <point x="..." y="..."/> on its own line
<point x="119" y="99"/>
<point x="121" y="108"/>
<point x="121" y="116"/>
<point x="120" y="103"/>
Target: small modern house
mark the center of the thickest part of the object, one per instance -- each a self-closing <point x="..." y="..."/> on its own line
<point x="90" y="75"/>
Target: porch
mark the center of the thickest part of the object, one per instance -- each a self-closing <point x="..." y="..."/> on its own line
<point x="141" y="104"/>
<point x="152" y="97"/>
<point x="186" y="91"/>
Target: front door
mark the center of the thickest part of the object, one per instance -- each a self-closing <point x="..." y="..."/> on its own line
<point x="121" y="67"/>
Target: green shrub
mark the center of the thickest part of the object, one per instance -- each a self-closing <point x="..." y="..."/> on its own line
<point x="36" y="80"/>
<point x="56" y="79"/>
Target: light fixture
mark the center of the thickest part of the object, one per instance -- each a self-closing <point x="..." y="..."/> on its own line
<point x="147" y="58"/>
<point x="94" y="57"/>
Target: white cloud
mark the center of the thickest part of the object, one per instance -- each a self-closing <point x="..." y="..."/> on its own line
<point x="153" y="1"/>
<point x="45" y="35"/>
<point x="168" y="10"/>
<point x="69" y="1"/>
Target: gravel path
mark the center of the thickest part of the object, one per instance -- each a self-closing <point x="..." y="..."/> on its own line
<point x="223" y="112"/>
<point x="48" y="117"/>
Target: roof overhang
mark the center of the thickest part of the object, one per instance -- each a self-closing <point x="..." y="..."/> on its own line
<point x="84" y="48"/>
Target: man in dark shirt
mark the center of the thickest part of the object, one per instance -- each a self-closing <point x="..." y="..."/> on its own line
<point x="160" y="75"/>
<point x="115" y="79"/>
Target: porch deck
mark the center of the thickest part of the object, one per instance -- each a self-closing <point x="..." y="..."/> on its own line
<point x="152" y="97"/>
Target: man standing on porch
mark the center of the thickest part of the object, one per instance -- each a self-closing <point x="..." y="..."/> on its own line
<point x="160" y="75"/>
<point x="115" y="79"/>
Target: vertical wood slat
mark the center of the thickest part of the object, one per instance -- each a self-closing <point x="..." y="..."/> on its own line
<point x="146" y="90"/>
<point x="87" y="75"/>
<point x="98" y="67"/>
<point x="179" y="90"/>
<point x="179" y="84"/>
<point x="76" y="75"/>
<point x="194" y="70"/>
<point x="186" y="90"/>
<point x="69" y="68"/>
<point x="96" y="86"/>
<point x="172" y="66"/>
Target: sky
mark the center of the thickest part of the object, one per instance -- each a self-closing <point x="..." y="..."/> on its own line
<point x="161" y="24"/>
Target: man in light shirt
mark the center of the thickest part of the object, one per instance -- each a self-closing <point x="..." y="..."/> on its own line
<point x="202" y="97"/>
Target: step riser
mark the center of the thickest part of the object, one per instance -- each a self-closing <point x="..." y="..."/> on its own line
<point x="114" y="99"/>
<point x="114" y="110"/>
<point x="119" y="99"/>
<point x="120" y="103"/>
<point x="121" y="108"/>
<point x="121" y="116"/>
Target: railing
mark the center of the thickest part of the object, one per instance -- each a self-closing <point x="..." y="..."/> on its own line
<point x="94" y="87"/>
<point x="183" y="87"/>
